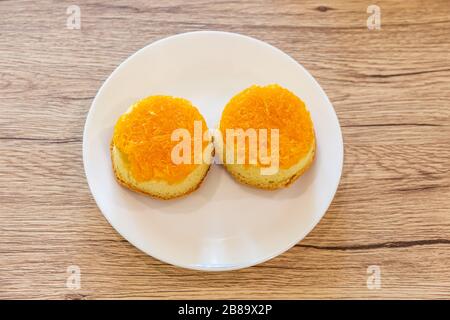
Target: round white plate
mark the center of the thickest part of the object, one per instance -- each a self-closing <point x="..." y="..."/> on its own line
<point x="223" y="225"/>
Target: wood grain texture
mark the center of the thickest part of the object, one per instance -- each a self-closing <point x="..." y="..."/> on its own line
<point x="390" y="89"/>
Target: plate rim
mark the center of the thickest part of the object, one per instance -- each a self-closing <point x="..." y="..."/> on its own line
<point x="222" y="267"/>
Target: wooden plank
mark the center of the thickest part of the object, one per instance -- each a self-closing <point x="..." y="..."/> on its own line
<point x="390" y="89"/>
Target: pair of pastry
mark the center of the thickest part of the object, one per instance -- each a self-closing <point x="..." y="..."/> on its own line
<point x="265" y="139"/>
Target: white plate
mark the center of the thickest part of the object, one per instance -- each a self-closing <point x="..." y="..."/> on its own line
<point x="224" y="225"/>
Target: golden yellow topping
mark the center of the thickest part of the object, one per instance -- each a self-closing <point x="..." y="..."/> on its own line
<point x="143" y="135"/>
<point x="272" y="107"/>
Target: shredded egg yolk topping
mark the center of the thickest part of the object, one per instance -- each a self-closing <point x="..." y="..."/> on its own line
<point x="143" y="136"/>
<point x="272" y="107"/>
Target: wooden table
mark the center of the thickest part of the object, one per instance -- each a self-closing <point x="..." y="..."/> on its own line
<point x="390" y="89"/>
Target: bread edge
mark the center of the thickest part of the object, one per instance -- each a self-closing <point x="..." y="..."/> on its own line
<point x="275" y="186"/>
<point x="133" y="188"/>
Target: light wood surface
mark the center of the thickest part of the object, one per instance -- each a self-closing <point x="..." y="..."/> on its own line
<point x="390" y="89"/>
